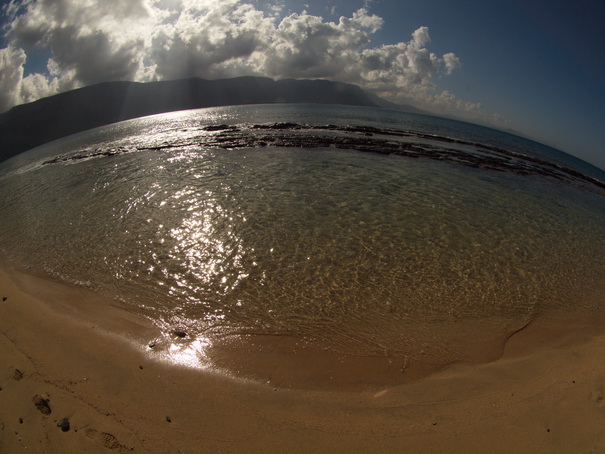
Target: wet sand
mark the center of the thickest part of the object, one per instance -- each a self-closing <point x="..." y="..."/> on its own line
<point x="71" y="382"/>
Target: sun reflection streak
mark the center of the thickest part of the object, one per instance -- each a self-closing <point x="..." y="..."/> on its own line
<point x="191" y="354"/>
<point x="205" y="246"/>
<point x="203" y="264"/>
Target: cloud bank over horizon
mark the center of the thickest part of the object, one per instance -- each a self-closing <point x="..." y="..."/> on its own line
<point x="83" y="42"/>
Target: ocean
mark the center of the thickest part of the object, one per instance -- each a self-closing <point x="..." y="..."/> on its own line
<point x="360" y="231"/>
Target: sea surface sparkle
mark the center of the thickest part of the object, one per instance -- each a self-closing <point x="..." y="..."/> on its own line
<point x="360" y="231"/>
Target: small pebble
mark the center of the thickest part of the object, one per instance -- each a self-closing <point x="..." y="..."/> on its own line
<point x="140" y="367"/>
<point x="20" y="420"/>
<point x="64" y="425"/>
<point x="179" y="333"/>
<point x="17" y="374"/>
<point x="4" y="298"/>
<point x="168" y="419"/>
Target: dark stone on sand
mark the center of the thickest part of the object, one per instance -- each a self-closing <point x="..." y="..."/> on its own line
<point x="153" y="344"/>
<point x="42" y="405"/>
<point x="64" y="425"/>
<point x="140" y="367"/>
<point x="17" y="375"/>
<point x="178" y="333"/>
<point x="168" y="419"/>
<point x="4" y="298"/>
<point x="20" y="420"/>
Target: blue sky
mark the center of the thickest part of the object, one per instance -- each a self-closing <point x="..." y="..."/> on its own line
<point x="534" y="67"/>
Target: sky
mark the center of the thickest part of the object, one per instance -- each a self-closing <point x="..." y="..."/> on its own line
<point x="534" y="68"/>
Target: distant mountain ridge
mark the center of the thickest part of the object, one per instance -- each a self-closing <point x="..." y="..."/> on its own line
<point x="29" y="125"/>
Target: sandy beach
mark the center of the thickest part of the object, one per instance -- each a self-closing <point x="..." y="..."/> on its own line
<point x="77" y="376"/>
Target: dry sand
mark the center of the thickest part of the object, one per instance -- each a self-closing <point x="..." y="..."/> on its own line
<point x="68" y="385"/>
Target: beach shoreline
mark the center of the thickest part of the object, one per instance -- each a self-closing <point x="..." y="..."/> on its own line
<point x="94" y="370"/>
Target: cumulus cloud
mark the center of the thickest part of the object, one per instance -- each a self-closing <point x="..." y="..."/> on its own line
<point x="11" y="66"/>
<point x="207" y="40"/>
<point x="305" y="46"/>
<point x="451" y="62"/>
<point x="87" y="42"/>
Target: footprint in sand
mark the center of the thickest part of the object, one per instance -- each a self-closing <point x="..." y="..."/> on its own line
<point x="598" y="391"/>
<point x="105" y="439"/>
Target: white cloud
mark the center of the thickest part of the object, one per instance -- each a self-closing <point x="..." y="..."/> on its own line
<point x="450" y="103"/>
<point x="205" y="40"/>
<point x="451" y="61"/>
<point x="405" y="72"/>
<point x="303" y="45"/>
<point x="36" y="86"/>
<point x="421" y="37"/>
<point x="89" y="41"/>
<point x="100" y="41"/>
<point x="11" y="76"/>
